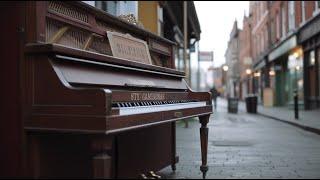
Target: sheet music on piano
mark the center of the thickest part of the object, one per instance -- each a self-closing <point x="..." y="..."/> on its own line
<point x="91" y="104"/>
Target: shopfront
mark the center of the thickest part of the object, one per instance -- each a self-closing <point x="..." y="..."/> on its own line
<point x="295" y="76"/>
<point x="259" y="79"/>
<point x="309" y="37"/>
<point x="286" y="72"/>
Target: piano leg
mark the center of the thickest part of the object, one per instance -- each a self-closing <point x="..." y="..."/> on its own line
<point x="204" y="143"/>
<point x="173" y="146"/>
<point x="102" y="161"/>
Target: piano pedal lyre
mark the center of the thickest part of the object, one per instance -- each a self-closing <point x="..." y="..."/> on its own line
<point x="143" y="176"/>
<point x="154" y="175"/>
<point x="150" y="175"/>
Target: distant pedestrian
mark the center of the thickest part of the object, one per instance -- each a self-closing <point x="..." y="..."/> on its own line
<point x="215" y="94"/>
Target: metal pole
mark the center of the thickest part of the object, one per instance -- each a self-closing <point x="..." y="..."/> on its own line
<point x="296" y="108"/>
<point x="198" y="67"/>
<point x="185" y="41"/>
<point x="185" y="48"/>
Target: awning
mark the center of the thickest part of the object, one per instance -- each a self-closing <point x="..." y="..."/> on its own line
<point x="283" y="48"/>
<point x="310" y="29"/>
<point x="259" y="65"/>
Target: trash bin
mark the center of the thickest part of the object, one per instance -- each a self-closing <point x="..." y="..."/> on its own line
<point x="232" y="105"/>
<point x="251" y="103"/>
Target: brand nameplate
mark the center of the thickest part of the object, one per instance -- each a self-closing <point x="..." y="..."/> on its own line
<point x="127" y="47"/>
<point x="147" y="96"/>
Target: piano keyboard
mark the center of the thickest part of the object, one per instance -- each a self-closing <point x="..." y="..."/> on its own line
<point x="129" y="108"/>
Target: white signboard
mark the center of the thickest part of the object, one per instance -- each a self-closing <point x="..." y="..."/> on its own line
<point x="206" y="56"/>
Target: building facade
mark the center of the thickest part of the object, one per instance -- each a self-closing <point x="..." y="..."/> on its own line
<point x="232" y="61"/>
<point x="245" y="58"/>
<point x="285" y="52"/>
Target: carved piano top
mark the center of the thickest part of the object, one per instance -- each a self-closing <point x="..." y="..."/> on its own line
<point x="80" y="26"/>
<point x="69" y="57"/>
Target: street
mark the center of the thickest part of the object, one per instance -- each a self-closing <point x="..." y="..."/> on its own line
<point x="247" y="146"/>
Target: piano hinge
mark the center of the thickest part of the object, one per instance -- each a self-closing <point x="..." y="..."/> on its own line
<point x="20" y="29"/>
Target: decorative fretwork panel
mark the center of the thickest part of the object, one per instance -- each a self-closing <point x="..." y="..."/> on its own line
<point x="60" y="33"/>
<point x="100" y="45"/>
<point x="74" y="38"/>
<point x="64" y="9"/>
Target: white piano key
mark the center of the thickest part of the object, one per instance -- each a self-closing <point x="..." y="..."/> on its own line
<point x="157" y="108"/>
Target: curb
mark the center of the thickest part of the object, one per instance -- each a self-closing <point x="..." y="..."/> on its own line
<point x="306" y="128"/>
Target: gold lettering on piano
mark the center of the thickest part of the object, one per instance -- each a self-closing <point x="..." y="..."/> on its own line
<point x="135" y="97"/>
<point x="128" y="47"/>
<point x="147" y="96"/>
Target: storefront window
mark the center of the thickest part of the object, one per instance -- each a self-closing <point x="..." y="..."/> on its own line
<point x="312" y="73"/>
<point x="295" y="78"/>
<point x="318" y="60"/>
<point x="312" y="58"/>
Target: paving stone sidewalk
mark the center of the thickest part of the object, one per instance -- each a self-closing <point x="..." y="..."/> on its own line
<point x="308" y="120"/>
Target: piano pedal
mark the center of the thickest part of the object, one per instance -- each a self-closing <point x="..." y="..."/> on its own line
<point x="143" y="176"/>
<point x="154" y="175"/>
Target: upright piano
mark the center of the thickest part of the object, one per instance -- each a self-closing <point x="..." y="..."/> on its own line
<point x="77" y="110"/>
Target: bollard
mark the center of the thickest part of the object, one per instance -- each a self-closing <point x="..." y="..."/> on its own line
<point x="296" y="108"/>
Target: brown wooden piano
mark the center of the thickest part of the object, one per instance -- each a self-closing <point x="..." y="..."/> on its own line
<point x="73" y="109"/>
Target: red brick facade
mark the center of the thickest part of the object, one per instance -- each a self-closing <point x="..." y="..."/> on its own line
<point x="269" y="24"/>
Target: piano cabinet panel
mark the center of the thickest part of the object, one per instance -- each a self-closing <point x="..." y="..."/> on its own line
<point x="50" y="93"/>
<point x="59" y="156"/>
<point x="144" y="150"/>
<point x="125" y="155"/>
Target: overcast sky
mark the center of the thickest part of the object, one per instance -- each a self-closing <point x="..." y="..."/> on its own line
<point x="216" y="20"/>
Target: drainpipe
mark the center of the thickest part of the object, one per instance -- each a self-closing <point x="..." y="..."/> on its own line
<point x="185" y="23"/>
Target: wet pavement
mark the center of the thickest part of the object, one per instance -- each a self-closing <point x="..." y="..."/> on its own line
<point x="246" y="146"/>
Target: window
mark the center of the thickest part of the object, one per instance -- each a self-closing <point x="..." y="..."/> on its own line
<point x="318" y="60"/>
<point x="316" y="7"/>
<point x="160" y="21"/>
<point x="291" y="15"/>
<point x="262" y="42"/>
<point x="118" y="8"/>
<point x="303" y="10"/>
<point x="272" y="31"/>
<point x="284" y="20"/>
<point x="277" y="26"/>
<point x="312" y="59"/>
<point x="108" y="6"/>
